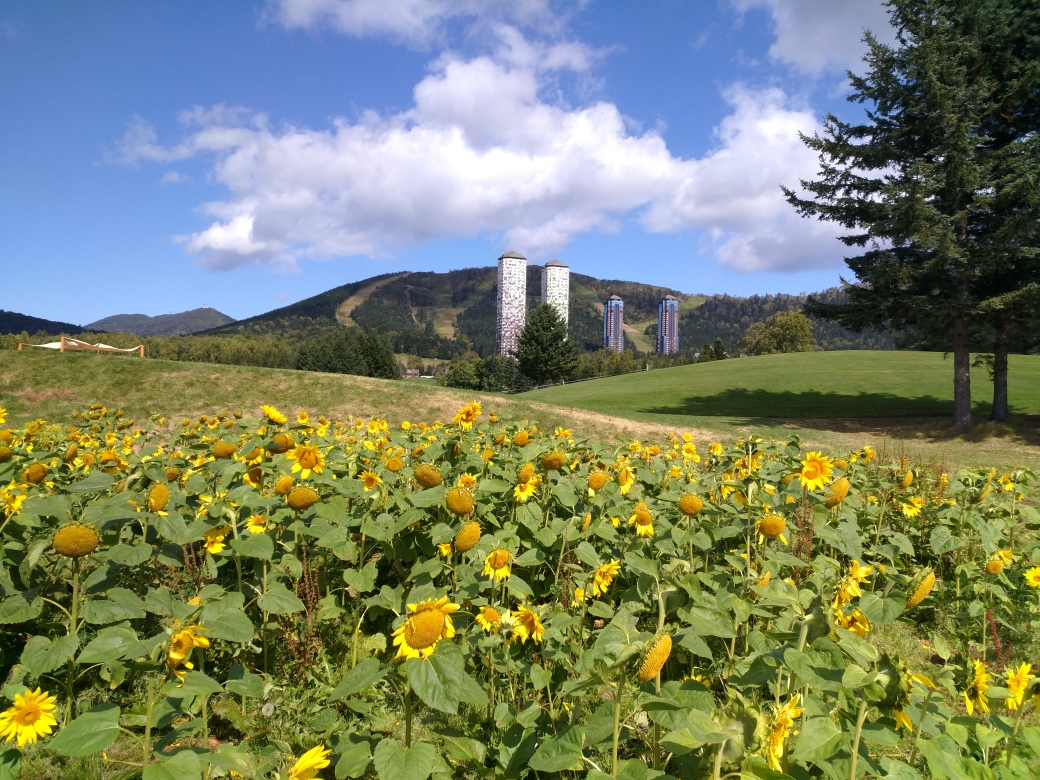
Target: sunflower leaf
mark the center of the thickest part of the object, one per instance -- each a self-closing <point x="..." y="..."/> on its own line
<point x="90" y="733"/>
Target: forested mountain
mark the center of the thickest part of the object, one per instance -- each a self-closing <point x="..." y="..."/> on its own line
<point x="13" y="322"/>
<point x="179" y="324"/>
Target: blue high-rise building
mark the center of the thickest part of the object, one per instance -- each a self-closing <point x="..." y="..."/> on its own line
<point x="614" y="324"/>
<point x="668" y="326"/>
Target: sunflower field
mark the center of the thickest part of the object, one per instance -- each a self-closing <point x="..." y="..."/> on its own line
<point x="265" y="597"/>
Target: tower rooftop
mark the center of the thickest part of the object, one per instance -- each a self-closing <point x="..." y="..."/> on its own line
<point x="512" y="254"/>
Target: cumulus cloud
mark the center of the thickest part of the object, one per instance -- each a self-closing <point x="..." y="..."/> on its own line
<point x="414" y="22"/>
<point x="819" y="35"/>
<point x="482" y="152"/>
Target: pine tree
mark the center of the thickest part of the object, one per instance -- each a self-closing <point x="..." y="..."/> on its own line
<point x="934" y="185"/>
<point x="543" y="350"/>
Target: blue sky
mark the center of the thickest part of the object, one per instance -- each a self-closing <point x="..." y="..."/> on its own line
<point x="155" y="157"/>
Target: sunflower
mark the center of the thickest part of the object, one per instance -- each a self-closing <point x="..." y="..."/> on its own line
<point x="816" y="470"/>
<point x="521" y="439"/>
<point x="444" y="549"/>
<point x="643" y="520"/>
<point x="301" y="498"/>
<point x="394" y="464"/>
<point x="913" y="507"/>
<point x="467" y="415"/>
<point x="3" y="415"/>
<point x="626" y="478"/>
<point x="528" y="626"/>
<point x="308" y="459"/>
<point x="656" y="655"/>
<point x="158" y="496"/>
<point x="215" y="540"/>
<point x="855" y="621"/>
<point x="836" y="492"/>
<point x="172" y="473"/>
<point x="780" y="728"/>
<point x="994" y="566"/>
<point x="370" y="480"/>
<point x="75" y="540"/>
<point x="224" y="450"/>
<point x="181" y="645"/>
<point x="579" y="597"/>
<point x="690" y="505"/>
<point x="30" y="717"/>
<point x="282" y="442"/>
<point x="922" y="590"/>
<point x="771" y="526"/>
<point x="849" y="588"/>
<point x="428" y="623"/>
<point x="467" y="537"/>
<point x="5" y="453"/>
<point x="496" y="565"/>
<point x="283" y="485"/>
<point x="303" y="418"/>
<point x="527" y="482"/>
<point x="488" y="619"/>
<point x="1017" y="682"/>
<point x="426" y="475"/>
<point x="1033" y="577"/>
<point x="273" y="415"/>
<point x="603" y="576"/>
<point x="552" y="461"/>
<point x="256" y="524"/>
<point x="35" y="474"/>
<point x="975" y="691"/>
<point x="903" y="720"/>
<point x="308" y="765"/>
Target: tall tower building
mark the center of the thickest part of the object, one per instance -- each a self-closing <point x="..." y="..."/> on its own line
<point x="614" y="324"/>
<point x="556" y="287"/>
<point x="512" y="301"/>
<point x="668" y="325"/>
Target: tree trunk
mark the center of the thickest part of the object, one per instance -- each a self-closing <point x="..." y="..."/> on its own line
<point x="961" y="375"/>
<point x="1000" y="369"/>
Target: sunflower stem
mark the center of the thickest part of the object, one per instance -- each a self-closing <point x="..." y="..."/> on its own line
<point x="146" y="743"/>
<point x="1014" y="731"/>
<point x="617" y="720"/>
<point x="717" y="770"/>
<point x="855" y="740"/>
<point x="408" y="715"/>
<point x="920" y="725"/>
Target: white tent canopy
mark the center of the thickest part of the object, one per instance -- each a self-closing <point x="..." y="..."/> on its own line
<point x="68" y="344"/>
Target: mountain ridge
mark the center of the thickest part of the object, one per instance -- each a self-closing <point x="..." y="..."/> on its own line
<point x="178" y="324"/>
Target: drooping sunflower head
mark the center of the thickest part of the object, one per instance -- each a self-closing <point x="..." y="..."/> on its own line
<point x="836" y="492"/>
<point x="172" y="473"/>
<point x="527" y="625"/>
<point x="158" y="497"/>
<point x="282" y="442"/>
<point x="553" y="461"/>
<point x="301" y="498"/>
<point x="426" y="475"/>
<point x="496" y="564"/>
<point x="467" y="415"/>
<point x="223" y="450"/>
<point x="977" y="685"/>
<point x="5" y="453"/>
<point x="70" y="454"/>
<point x="597" y="479"/>
<point x="771" y="526"/>
<point x="35" y="474"/>
<point x="657" y="653"/>
<point x="779" y="729"/>
<point x="690" y="505"/>
<point x="428" y="623"/>
<point x="75" y="540"/>
<point x="925" y="581"/>
<point x="604" y="576"/>
<point x="467" y="537"/>
<point x="273" y="415"/>
<point x="908" y="479"/>
<point x="459" y="501"/>
<point x="283" y="485"/>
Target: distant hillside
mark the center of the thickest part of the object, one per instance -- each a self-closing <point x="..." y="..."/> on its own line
<point x="179" y="324"/>
<point x="13" y="322"/>
<point x="448" y="315"/>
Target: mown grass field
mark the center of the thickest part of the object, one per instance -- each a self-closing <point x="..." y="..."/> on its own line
<point x="835" y="400"/>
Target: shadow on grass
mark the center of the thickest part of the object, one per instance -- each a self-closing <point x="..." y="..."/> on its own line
<point x="924" y="417"/>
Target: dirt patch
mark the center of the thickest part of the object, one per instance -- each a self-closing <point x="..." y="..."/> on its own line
<point x="59" y="394"/>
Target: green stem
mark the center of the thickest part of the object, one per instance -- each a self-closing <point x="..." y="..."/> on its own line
<point x="146" y="743"/>
<point x="855" y="740"/>
<point x="1014" y="732"/>
<point x="802" y="637"/>
<point x="263" y="627"/>
<point x="718" y="762"/>
<point x="920" y="725"/>
<point x="617" y="720"/>
<point x="408" y="715"/>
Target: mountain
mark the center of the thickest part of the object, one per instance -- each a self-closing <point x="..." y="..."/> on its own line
<point x="446" y="315"/>
<point x="13" y="322"/>
<point x="164" y="324"/>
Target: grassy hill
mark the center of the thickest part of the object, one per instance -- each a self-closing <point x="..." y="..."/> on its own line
<point x="13" y="322"/>
<point x="715" y="401"/>
<point x="178" y="324"/>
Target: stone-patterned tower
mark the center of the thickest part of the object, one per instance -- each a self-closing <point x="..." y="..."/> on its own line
<point x="668" y="325"/>
<point x="614" y="324"/>
<point x="512" y="301"/>
<point x="556" y="287"/>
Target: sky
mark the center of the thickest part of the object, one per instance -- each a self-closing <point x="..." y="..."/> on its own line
<point x="156" y="157"/>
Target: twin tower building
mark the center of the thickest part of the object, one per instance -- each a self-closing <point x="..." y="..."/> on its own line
<point x="556" y="286"/>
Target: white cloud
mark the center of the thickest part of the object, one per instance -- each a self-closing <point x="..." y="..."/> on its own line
<point x="482" y="152"/>
<point x="415" y="22"/>
<point x="819" y="35"/>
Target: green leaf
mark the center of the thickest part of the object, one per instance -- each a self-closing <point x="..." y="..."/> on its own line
<point x="11" y="764"/>
<point x="355" y="761"/>
<point x="279" y="600"/>
<point x="560" y="752"/>
<point x="111" y="644"/>
<point x="195" y="684"/>
<point x="366" y="673"/>
<point x="254" y="546"/>
<point x="942" y="540"/>
<point x="122" y="604"/>
<point x="173" y="528"/>
<point x="90" y="733"/>
<point x="243" y="682"/>
<point x="819" y="739"/>
<point x="394" y="762"/>
<point x="880" y="611"/>
<point x="224" y="619"/>
<point x="41" y="655"/>
<point x="184" y="765"/>
<point x="464" y="749"/>
<point x="565" y="494"/>
<point x="21" y="607"/>
<point x="94" y="483"/>
<point x="427" y="498"/>
<point x="441" y="680"/>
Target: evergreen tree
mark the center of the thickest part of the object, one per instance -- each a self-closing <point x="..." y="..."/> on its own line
<point x="543" y="351"/>
<point x="931" y="186"/>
